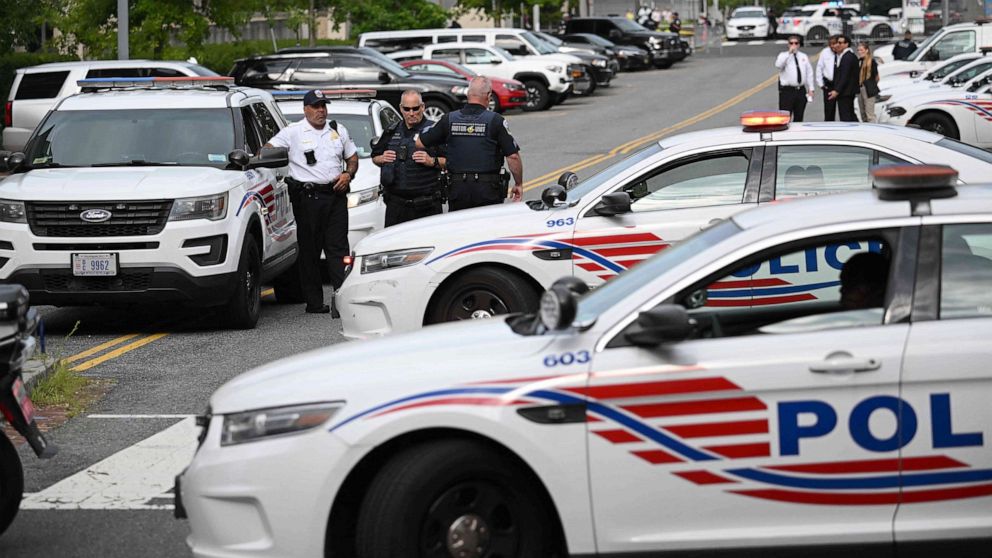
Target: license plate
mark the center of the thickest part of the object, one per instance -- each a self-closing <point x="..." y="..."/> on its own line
<point x="23" y="401"/>
<point x="88" y="265"/>
<point x="746" y="34"/>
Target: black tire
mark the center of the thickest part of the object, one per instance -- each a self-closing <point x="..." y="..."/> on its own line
<point x="881" y="32"/>
<point x="482" y="293"/>
<point x="938" y="123"/>
<point x="434" y="110"/>
<point x="537" y="96"/>
<point x="245" y="306"/>
<point x="287" y="287"/>
<point x="494" y="103"/>
<point x="11" y="482"/>
<point x="415" y="502"/>
<point x="817" y="35"/>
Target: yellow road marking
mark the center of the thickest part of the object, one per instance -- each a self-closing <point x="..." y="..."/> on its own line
<point x="118" y="352"/>
<point x="633" y="144"/>
<point x="94" y="350"/>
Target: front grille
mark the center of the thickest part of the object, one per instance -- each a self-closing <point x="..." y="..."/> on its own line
<point x="128" y="218"/>
<point x="123" y="281"/>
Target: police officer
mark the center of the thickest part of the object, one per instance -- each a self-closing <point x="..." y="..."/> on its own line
<point x="795" y="80"/>
<point x="410" y="177"/>
<point x="477" y="142"/>
<point x="322" y="162"/>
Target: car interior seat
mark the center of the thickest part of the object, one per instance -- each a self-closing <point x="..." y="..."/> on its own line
<point x="814" y="179"/>
<point x="795" y="178"/>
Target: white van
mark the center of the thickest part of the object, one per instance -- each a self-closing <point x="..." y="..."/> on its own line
<point x="521" y="43"/>
<point x="36" y="89"/>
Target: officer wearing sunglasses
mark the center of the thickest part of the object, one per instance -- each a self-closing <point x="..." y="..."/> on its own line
<point x="410" y="176"/>
<point x="795" y="80"/>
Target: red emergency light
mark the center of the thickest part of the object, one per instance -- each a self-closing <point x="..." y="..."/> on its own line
<point x="765" y="120"/>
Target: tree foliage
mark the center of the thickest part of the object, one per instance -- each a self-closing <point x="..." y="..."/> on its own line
<point x="496" y="9"/>
<point x="383" y="15"/>
<point x="20" y="23"/>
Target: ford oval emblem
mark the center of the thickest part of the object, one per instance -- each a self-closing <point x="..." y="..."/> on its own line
<point x="95" y="215"/>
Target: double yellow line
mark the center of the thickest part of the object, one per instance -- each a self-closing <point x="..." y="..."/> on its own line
<point x="140" y="340"/>
<point x="634" y="144"/>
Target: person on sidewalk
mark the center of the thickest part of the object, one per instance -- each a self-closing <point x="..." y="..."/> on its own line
<point x="868" y="77"/>
<point x="825" y="78"/>
<point x="845" y="80"/>
<point x="795" y="80"/>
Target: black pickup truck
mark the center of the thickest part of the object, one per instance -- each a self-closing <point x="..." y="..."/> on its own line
<point x="665" y="48"/>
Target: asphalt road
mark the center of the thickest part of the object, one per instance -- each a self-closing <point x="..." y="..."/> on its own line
<point x="105" y="495"/>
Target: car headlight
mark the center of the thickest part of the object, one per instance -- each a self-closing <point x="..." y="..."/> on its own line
<point x="12" y="212"/>
<point x="553" y="68"/>
<point x="212" y="208"/>
<point x="896" y="111"/>
<point x="599" y="63"/>
<point x="363" y="197"/>
<point x="514" y="86"/>
<point x="391" y="260"/>
<point x="252" y="426"/>
<point x="459" y="90"/>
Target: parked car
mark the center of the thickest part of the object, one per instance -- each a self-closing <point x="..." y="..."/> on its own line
<point x="351" y="70"/>
<point x="748" y="22"/>
<point x="507" y="93"/>
<point x="36" y="89"/>
<point x="943" y="45"/>
<point x="604" y="68"/>
<point x="629" y="57"/>
<point x="665" y="48"/>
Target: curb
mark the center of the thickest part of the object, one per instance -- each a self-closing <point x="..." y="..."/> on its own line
<point x="36" y="369"/>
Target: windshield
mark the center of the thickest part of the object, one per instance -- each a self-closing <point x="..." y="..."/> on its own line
<point x="503" y="52"/>
<point x="918" y="53"/>
<point x="943" y="71"/>
<point x="200" y="137"/>
<point x="966" y="74"/>
<point x="966" y="149"/>
<point x="551" y="39"/>
<point x="359" y="127"/>
<point x="627" y="25"/>
<point x="597" y="40"/>
<point x="391" y="65"/>
<point x="621" y="286"/>
<point x="541" y="45"/>
<point x="748" y="13"/>
<point x="201" y="71"/>
<point x="600" y="178"/>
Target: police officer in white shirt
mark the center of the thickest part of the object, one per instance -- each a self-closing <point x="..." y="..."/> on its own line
<point x="825" y="78"/>
<point x="322" y="162"/>
<point x="795" y="80"/>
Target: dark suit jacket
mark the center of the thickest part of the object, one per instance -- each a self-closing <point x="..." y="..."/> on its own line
<point x="870" y="84"/>
<point x="846" y="75"/>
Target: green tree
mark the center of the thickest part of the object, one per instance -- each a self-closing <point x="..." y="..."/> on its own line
<point x="382" y="15"/>
<point x="20" y="23"/>
<point x="496" y="9"/>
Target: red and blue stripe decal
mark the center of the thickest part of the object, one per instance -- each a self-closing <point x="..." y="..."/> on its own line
<point x="980" y="108"/>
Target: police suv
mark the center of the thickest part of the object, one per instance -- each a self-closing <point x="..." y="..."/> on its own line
<point x="481" y="262"/>
<point x="642" y="418"/>
<point x="151" y="189"/>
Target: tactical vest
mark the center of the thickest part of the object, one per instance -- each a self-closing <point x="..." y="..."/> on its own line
<point x="472" y="145"/>
<point x="410" y="177"/>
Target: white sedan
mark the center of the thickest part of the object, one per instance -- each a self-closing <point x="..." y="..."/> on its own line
<point x="964" y="114"/>
<point x="365" y="118"/>
<point x="486" y="261"/>
<point x="748" y="23"/>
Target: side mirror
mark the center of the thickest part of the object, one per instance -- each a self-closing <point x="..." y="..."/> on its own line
<point x="568" y="179"/>
<point x="4" y="155"/>
<point x="384" y="77"/>
<point x="238" y="159"/>
<point x="559" y="303"/>
<point x="914" y="73"/>
<point x="270" y="158"/>
<point x="933" y="55"/>
<point x="495" y="60"/>
<point x="614" y="203"/>
<point x="665" y="322"/>
<point x="13" y="161"/>
<point x="554" y="195"/>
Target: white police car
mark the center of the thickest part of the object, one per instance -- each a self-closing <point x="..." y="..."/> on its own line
<point x="365" y="118"/>
<point x="640" y="419"/>
<point x="964" y="114"/>
<point x="487" y="261"/>
<point x="146" y="190"/>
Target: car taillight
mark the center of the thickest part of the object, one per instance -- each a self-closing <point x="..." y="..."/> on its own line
<point x="8" y="114"/>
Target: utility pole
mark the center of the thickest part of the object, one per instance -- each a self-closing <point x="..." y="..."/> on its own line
<point x="122" y="30"/>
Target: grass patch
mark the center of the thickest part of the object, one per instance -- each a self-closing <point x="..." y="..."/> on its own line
<point x="62" y="387"/>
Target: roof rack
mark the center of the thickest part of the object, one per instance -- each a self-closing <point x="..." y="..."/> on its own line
<point x="221" y="83"/>
<point x="917" y="184"/>
<point x="297" y="94"/>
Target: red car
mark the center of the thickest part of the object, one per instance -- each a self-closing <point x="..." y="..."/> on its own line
<point x="507" y="93"/>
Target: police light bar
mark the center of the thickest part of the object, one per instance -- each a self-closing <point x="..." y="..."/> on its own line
<point x="985" y="49"/>
<point x="914" y="182"/>
<point x="154" y="82"/>
<point x="765" y="120"/>
<point x="328" y="93"/>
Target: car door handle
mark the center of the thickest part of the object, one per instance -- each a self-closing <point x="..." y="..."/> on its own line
<point x="842" y="362"/>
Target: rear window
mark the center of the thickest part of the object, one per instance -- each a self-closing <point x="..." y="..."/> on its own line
<point x="40" y="85"/>
<point x="134" y="72"/>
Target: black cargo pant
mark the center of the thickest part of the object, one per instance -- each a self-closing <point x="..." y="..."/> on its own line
<point x="467" y="191"/>
<point x="792" y="99"/>
<point x="321" y="224"/>
<point x="400" y="209"/>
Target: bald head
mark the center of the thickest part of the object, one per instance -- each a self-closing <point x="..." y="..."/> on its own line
<point x="479" y="89"/>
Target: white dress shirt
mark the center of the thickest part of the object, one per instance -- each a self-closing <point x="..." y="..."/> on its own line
<point x="825" y="66"/>
<point x="787" y="70"/>
<point x="330" y="148"/>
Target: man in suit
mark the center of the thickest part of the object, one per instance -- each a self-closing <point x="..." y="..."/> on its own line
<point x="846" y="84"/>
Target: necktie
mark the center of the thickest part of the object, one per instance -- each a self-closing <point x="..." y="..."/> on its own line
<point x="799" y="73"/>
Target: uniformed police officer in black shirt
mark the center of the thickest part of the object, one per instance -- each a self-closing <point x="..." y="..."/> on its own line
<point x="322" y="161"/>
<point x="477" y="141"/>
<point x="410" y="177"/>
<point x="905" y="47"/>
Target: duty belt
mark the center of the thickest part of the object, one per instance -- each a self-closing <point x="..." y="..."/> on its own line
<point x="475" y="176"/>
<point x="310" y="186"/>
<point x="419" y="201"/>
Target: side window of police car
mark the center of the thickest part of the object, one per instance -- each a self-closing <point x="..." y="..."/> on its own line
<point x="266" y="122"/>
<point x="966" y="271"/>
<point x="712" y="179"/>
<point x="253" y="140"/>
<point x="812" y="170"/>
<point x="836" y="282"/>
